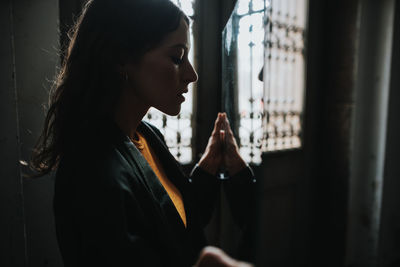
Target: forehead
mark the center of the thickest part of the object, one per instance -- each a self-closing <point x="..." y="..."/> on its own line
<point x="179" y="36"/>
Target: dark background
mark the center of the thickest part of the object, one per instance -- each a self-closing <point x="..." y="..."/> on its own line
<point x="335" y="202"/>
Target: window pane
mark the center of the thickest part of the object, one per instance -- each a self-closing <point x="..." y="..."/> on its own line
<point x="263" y="74"/>
<point x="250" y="57"/>
<point x="284" y="74"/>
<point x="178" y="130"/>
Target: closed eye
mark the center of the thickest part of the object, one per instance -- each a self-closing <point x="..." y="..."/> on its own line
<point x="177" y="61"/>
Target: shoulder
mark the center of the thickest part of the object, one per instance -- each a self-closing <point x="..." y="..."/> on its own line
<point x="103" y="167"/>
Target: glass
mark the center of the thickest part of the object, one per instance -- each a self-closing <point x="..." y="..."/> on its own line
<point x="263" y="75"/>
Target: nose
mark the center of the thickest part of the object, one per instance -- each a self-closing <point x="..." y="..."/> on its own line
<point x="190" y="74"/>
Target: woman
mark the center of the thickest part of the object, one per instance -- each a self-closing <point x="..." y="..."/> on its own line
<point x="121" y="199"/>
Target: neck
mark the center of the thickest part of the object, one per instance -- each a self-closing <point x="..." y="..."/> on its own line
<point x="129" y="114"/>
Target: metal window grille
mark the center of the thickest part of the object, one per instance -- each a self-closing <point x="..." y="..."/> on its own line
<point x="264" y="45"/>
<point x="178" y="130"/>
<point x="284" y="78"/>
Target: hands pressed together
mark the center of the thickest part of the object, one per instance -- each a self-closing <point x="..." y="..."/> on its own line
<point x="222" y="150"/>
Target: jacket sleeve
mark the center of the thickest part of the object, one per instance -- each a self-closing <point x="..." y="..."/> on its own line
<point x="205" y="188"/>
<point x="240" y="191"/>
<point x="108" y="223"/>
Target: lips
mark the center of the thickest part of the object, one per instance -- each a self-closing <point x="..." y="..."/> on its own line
<point x="181" y="97"/>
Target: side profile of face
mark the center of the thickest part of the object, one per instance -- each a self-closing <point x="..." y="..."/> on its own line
<point x="161" y="77"/>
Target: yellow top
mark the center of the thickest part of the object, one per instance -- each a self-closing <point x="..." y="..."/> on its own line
<point x="154" y="163"/>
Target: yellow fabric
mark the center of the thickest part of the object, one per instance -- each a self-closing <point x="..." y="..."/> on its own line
<point x="154" y="163"/>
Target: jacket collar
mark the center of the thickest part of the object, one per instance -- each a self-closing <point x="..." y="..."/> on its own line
<point x="149" y="179"/>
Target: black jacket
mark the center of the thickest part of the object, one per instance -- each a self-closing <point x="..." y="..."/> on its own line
<point x="111" y="210"/>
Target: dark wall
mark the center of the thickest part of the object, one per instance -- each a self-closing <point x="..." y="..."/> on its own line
<point x="29" y="56"/>
<point x="307" y="195"/>
<point x="334" y="109"/>
<point x="304" y="198"/>
<point x="12" y="225"/>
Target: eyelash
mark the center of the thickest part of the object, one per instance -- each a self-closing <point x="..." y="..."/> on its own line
<point x="177" y="61"/>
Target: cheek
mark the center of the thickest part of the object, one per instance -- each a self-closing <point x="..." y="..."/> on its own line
<point x="163" y="76"/>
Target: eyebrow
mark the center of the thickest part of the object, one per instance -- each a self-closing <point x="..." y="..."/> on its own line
<point x="180" y="46"/>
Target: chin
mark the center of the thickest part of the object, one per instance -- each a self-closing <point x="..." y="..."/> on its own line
<point x="171" y="111"/>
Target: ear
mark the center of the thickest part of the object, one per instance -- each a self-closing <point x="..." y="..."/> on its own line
<point x="127" y="70"/>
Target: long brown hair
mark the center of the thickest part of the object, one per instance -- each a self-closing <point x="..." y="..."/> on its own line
<point x="108" y="33"/>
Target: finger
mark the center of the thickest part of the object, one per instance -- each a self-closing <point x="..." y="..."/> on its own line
<point x="222" y="135"/>
<point x="217" y="121"/>
<point x="226" y="125"/>
<point x="218" y="124"/>
<point x="213" y="256"/>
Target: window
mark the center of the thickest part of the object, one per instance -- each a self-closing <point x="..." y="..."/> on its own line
<point x="264" y="61"/>
<point x="178" y="130"/>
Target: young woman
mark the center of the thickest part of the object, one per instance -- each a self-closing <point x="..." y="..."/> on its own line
<point x="121" y="199"/>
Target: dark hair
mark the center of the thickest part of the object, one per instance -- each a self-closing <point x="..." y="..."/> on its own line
<point x="108" y="33"/>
